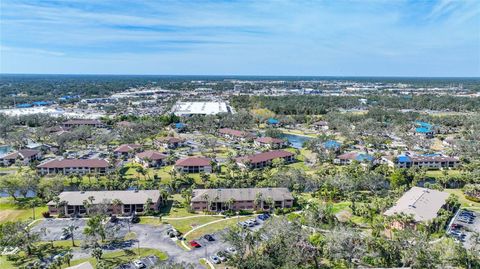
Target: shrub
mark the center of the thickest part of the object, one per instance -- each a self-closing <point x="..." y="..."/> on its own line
<point x="245" y="212"/>
<point x="46" y="214"/>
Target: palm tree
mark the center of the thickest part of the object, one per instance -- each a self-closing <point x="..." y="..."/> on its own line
<point x="258" y="200"/>
<point x="206" y="197"/>
<point x="67" y="257"/>
<point x="116" y="203"/>
<point x="69" y="231"/>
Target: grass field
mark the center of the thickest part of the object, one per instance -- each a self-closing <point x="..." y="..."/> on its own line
<point x="439" y="173"/>
<point x="11" y="211"/>
<point x="215" y="227"/>
<point x="464" y="201"/>
<point x="116" y="258"/>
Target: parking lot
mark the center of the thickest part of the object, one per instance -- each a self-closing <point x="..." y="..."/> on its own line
<point x="52" y="229"/>
<point x="464" y="224"/>
<point x="147" y="236"/>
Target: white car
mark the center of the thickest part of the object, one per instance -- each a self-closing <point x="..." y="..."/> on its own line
<point x="139" y="264"/>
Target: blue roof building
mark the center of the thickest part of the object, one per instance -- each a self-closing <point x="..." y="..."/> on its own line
<point x="179" y="125"/>
<point x="332" y="144"/>
<point x="24" y="105"/>
<point x="423" y="124"/>
<point x="422" y="130"/>
<point x="42" y="103"/>
<point x="364" y="158"/>
<point x="273" y="121"/>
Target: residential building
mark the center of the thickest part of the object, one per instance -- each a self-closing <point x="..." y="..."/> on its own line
<point x="235" y="134"/>
<point x="264" y="159"/>
<point x="194" y="165"/>
<point x="269" y="142"/>
<point x="72" y="203"/>
<point x="241" y="199"/>
<point x="74" y="166"/>
<point x="332" y="145"/>
<point x="170" y="142"/>
<point x="151" y="158"/>
<point x="348" y="158"/>
<point x="82" y="122"/>
<point x="320" y="125"/>
<point x="429" y="161"/>
<point x="126" y="150"/>
<point x="424" y="129"/>
<point x="24" y="156"/>
<point x="421" y="203"/>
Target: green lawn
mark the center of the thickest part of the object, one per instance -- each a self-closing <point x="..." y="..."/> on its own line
<point x="12" y="211"/>
<point x="439" y="173"/>
<point x="465" y="203"/>
<point x="116" y="258"/>
<point x="185" y="225"/>
<point x="218" y="226"/>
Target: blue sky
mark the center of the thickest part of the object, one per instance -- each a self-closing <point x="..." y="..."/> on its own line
<point x="335" y="37"/>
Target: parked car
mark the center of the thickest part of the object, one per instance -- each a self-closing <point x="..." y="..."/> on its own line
<point x="113" y="219"/>
<point x="215" y="259"/>
<point x="222" y="255"/>
<point x="231" y="250"/>
<point x="64" y="236"/>
<point x="243" y="224"/>
<point x="194" y="244"/>
<point x="135" y="219"/>
<point x="209" y="237"/>
<point x="172" y="232"/>
<point x="139" y="264"/>
<point x="263" y="217"/>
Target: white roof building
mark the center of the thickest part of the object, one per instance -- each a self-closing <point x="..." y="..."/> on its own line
<point x="201" y="108"/>
<point x="422" y="203"/>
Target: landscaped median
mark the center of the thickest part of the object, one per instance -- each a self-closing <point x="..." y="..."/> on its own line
<point x="116" y="258"/>
<point x="212" y="227"/>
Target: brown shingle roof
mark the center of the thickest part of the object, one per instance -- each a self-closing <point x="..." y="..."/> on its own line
<point x="126" y="197"/>
<point x="235" y="133"/>
<point x="269" y="140"/>
<point x="66" y="163"/>
<point x="152" y="155"/>
<point x="265" y="156"/>
<point x="193" y="161"/>
<point x="23" y="153"/>
<point x="241" y="194"/>
<point x="127" y="148"/>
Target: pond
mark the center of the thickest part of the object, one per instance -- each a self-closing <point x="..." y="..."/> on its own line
<point x="296" y="141"/>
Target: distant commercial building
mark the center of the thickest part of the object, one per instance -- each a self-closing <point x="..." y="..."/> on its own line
<point x="194" y="165"/>
<point x="74" y="166"/>
<point x="264" y="159"/>
<point x="72" y="203"/>
<point x="421" y="203"/>
<point x="241" y="199"/>
<point x="201" y="108"/>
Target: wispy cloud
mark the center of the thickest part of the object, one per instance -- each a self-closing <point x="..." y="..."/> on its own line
<point x="280" y="37"/>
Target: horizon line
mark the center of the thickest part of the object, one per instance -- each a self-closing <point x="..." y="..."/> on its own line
<point x="233" y="75"/>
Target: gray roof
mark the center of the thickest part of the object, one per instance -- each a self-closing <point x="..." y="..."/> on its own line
<point x="245" y="194"/>
<point x="127" y="197"/>
<point x="422" y="203"/>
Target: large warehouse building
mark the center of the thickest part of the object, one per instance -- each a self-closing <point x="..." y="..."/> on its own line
<point x="201" y="108"/>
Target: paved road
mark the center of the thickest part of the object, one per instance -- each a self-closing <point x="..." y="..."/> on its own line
<point x="148" y="236"/>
